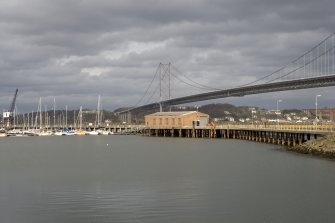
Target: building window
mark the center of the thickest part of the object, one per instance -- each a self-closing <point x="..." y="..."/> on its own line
<point x="179" y="121"/>
<point x="154" y="121"/>
<point x="166" y="121"/>
<point x="160" y="121"/>
<point x="172" y="121"/>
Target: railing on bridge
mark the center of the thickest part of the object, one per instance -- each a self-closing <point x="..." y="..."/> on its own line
<point x="320" y="128"/>
<point x="290" y="127"/>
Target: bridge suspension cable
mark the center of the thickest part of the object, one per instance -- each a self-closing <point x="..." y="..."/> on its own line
<point x="318" y="61"/>
<point x="303" y="65"/>
<point x="165" y="71"/>
<point x="153" y="93"/>
<point x="158" y="85"/>
<point x="201" y="86"/>
<point x="147" y="90"/>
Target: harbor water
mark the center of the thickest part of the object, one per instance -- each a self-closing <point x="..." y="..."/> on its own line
<point x="79" y="179"/>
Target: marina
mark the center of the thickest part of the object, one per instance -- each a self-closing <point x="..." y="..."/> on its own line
<point x="113" y="130"/>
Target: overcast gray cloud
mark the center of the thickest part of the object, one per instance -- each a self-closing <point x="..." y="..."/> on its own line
<point x="76" y="50"/>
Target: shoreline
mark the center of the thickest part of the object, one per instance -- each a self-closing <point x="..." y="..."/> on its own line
<point x="323" y="147"/>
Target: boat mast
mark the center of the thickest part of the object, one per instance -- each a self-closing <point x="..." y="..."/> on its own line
<point x="28" y="120"/>
<point x="40" y="111"/>
<point x="80" y="117"/>
<point x="98" y="113"/>
<point x="65" y="116"/>
<point x="54" y="112"/>
<point x="74" y="119"/>
<point x="32" y="119"/>
<point x="45" y="117"/>
<point x="101" y="114"/>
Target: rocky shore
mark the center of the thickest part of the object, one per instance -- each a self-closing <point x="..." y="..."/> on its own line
<point x="323" y="147"/>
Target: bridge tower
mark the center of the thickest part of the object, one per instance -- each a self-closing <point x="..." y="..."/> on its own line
<point x="164" y="83"/>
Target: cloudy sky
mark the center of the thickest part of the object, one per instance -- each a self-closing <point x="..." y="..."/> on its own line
<point x="75" y="50"/>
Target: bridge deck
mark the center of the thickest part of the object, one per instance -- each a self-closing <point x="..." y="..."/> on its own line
<point x="315" y="82"/>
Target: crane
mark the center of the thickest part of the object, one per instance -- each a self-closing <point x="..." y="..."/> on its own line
<point x="9" y="115"/>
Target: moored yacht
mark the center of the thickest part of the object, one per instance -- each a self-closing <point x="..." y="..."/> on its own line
<point x="93" y="133"/>
<point x="3" y="133"/>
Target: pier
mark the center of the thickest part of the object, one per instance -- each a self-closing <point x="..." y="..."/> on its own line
<point x="289" y="135"/>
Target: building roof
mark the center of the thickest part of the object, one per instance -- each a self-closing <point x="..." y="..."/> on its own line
<point x="177" y="113"/>
<point x="322" y="109"/>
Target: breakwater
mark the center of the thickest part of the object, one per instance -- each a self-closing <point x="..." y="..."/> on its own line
<point x="324" y="147"/>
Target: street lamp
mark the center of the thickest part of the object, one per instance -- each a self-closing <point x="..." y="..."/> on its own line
<point x="252" y="115"/>
<point x="278" y="101"/>
<point x="196" y="121"/>
<point x="316" y="107"/>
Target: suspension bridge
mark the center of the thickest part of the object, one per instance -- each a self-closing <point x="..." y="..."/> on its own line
<point x="313" y="69"/>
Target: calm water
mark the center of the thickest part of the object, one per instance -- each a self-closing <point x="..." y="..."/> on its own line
<point x="141" y="179"/>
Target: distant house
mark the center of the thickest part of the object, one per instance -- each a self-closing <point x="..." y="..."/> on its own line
<point x="218" y="119"/>
<point x="176" y="119"/>
<point x="323" y="113"/>
<point x="230" y="119"/>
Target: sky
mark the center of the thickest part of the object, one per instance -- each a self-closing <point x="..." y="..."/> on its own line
<point x="75" y="50"/>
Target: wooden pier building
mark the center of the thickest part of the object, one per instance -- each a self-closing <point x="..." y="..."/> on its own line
<point x="176" y="119"/>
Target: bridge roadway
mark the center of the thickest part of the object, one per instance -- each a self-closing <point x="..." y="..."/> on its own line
<point x="315" y="82"/>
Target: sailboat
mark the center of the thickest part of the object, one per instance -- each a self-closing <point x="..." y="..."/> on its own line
<point x="93" y="133"/>
<point x="97" y="120"/>
<point x="3" y="133"/>
<point x="41" y="131"/>
<point x="80" y="131"/>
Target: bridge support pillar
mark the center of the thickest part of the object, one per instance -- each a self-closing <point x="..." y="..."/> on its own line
<point x="129" y="119"/>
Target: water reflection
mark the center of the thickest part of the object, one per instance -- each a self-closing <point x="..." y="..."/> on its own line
<point x="142" y="179"/>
